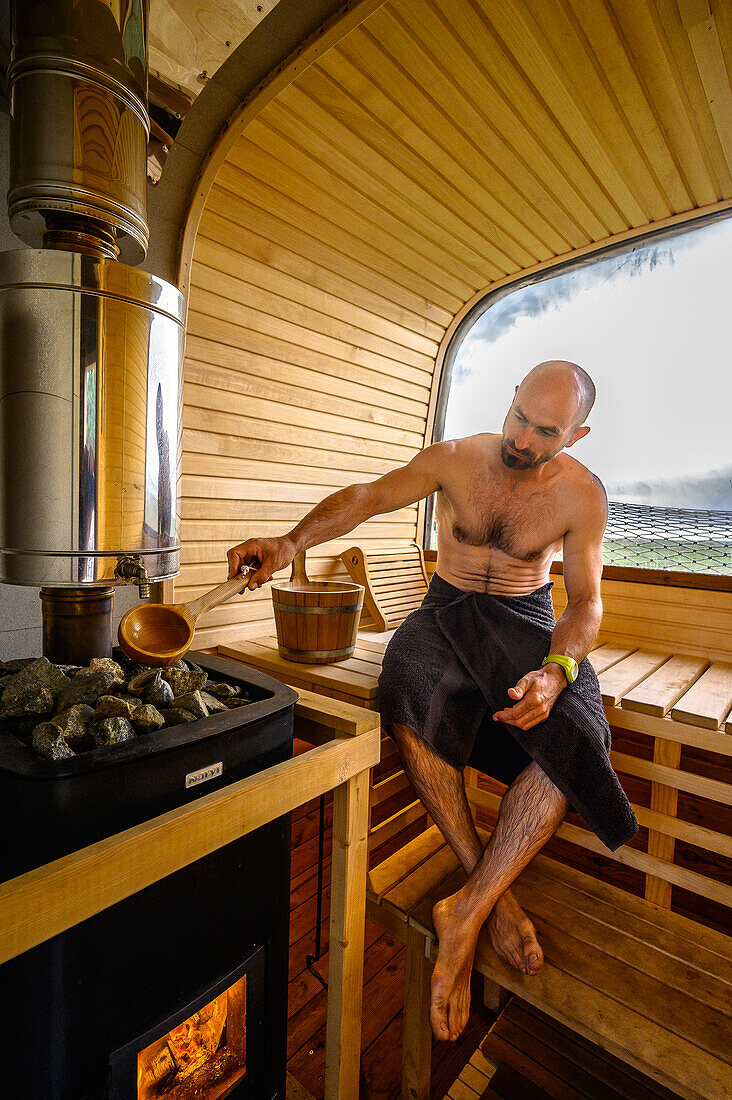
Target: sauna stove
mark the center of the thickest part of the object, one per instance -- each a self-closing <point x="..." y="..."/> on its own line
<point x="180" y="990"/>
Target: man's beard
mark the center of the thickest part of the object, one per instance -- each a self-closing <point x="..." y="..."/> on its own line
<point x="519" y="461"/>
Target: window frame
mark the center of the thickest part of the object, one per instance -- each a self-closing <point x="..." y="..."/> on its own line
<point x="551" y="270"/>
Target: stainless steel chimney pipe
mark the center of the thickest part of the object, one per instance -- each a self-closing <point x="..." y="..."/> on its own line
<point x="90" y="395"/>
<point x="91" y="350"/>
<point x="78" y="96"/>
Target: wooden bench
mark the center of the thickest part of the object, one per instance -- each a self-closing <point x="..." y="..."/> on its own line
<point x="395" y="581"/>
<point x="535" y="1057"/>
<point x="649" y="985"/>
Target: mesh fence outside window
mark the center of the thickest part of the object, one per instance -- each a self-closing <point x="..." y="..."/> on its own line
<point x="685" y="540"/>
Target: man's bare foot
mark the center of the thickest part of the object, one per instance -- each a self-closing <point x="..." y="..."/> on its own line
<point x="514" y="937"/>
<point x="450" y="998"/>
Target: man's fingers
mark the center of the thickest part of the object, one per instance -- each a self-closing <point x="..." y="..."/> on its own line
<point x="527" y="703"/>
<point x="526" y="721"/>
<point x="521" y="688"/>
<point x="259" y="578"/>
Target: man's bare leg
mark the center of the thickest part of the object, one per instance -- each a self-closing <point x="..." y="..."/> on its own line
<point x="531" y="811"/>
<point x="442" y="791"/>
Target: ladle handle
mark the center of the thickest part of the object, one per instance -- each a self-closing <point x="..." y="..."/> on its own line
<point x="298" y="575"/>
<point x="218" y="595"/>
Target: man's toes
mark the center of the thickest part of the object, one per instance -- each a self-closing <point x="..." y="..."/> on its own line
<point x="438" y="1019"/>
<point x="458" y="1013"/>
<point x="533" y="955"/>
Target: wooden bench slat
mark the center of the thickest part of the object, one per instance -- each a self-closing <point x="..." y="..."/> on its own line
<point x="670" y="729"/>
<point x="658" y="693"/>
<point x="583" y="1056"/>
<point x="632" y="857"/>
<point x="390" y="826"/>
<point x="405" y="577"/>
<point x="620" y="678"/>
<point x="705" y="945"/>
<point x="688" y="1018"/>
<point x="403" y="897"/>
<point x="421" y="914"/>
<point x="628" y="948"/>
<point x="367" y="662"/>
<point x="598" y="1074"/>
<point x="405" y="862"/>
<point x="676" y="827"/>
<point x="540" y="1069"/>
<point x="354" y="683"/>
<point x="708" y="702"/>
<point x="388" y="787"/>
<point x="605" y="656"/>
<point x="617" y="1028"/>
<point x="396" y="554"/>
<point x="672" y="777"/>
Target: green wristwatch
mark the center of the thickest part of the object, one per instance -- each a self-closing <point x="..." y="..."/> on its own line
<point x="568" y="664"/>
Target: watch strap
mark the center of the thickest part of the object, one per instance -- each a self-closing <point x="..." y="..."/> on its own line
<point x="567" y="663"/>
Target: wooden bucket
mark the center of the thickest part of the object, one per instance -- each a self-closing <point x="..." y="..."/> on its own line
<point x="317" y="621"/>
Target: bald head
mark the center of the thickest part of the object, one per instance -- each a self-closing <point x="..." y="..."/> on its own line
<point x="568" y="381"/>
<point x="547" y="414"/>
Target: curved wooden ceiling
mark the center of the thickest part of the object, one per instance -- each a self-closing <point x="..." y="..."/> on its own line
<point x="440" y="147"/>
<point x="471" y="139"/>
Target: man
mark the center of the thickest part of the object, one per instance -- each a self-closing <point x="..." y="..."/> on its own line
<point x="481" y="674"/>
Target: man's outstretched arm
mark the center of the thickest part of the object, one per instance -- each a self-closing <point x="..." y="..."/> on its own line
<point x="341" y="512"/>
<point x="576" y="629"/>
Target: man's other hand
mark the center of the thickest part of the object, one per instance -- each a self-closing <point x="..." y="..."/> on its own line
<point x="538" y="692"/>
<point x="265" y="556"/>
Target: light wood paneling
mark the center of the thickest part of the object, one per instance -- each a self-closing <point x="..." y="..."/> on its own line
<point x="435" y="151"/>
<point x="696" y="621"/>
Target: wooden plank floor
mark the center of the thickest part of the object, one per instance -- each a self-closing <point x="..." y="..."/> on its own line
<point x="383" y="988"/>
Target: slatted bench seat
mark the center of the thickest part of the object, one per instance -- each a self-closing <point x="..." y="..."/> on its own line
<point x="395" y="581"/>
<point x="535" y="1057"/>
<point x="649" y="985"/>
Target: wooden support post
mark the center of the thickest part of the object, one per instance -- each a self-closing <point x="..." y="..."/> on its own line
<point x="347" y="927"/>
<point x="417" y="1036"/>
<point x="665" y="800"/>
<point x="495" y="997"/>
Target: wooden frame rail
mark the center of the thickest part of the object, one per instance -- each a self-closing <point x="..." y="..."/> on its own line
<point x="48" y="900"/>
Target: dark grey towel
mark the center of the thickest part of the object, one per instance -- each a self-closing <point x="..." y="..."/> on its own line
<point x="448" y="669"/>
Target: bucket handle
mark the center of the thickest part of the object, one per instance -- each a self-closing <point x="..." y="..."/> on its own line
<point x="298" y="575"/>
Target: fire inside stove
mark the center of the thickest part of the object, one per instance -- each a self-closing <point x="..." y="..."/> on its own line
<point x="203" y="1057"/>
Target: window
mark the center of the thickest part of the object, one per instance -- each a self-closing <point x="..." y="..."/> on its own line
<point x="651" y="322"/>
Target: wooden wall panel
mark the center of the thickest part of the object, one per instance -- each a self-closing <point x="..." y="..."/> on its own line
<point x="682" y="620"/>
<point x="438" y="149"/>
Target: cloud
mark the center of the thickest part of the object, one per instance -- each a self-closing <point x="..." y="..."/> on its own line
<point x="548" y="296"/>
<point x="710" y="491"/>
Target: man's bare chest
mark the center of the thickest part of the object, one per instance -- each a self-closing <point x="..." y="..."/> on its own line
<point x="522" y="525"/>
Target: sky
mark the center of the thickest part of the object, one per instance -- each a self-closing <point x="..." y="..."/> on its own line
<point x="654" y="329"/>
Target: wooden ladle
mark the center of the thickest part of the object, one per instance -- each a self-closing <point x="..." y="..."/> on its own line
<point x="158" y="634"/>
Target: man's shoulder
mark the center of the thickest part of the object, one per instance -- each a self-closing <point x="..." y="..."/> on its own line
<point x="476" y="444"/>
<point x="587" y="488"/>
<point x="467" y="446"/>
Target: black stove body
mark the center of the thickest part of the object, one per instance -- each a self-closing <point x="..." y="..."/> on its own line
<point x="155" y="972"/>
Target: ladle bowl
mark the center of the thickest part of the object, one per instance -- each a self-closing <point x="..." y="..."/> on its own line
<point x="158" y="634"/>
